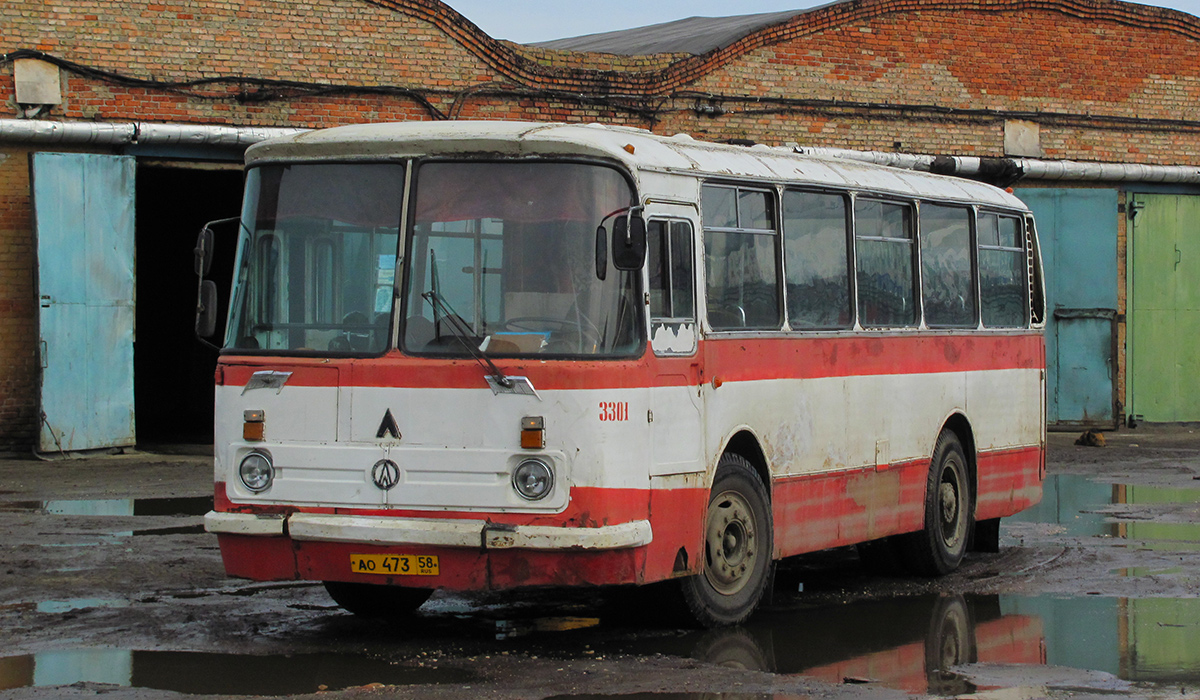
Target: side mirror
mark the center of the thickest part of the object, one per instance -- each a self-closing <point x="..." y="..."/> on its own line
<point x="206" y="309"/>
<point x="629" y="242"/>
<point x="204" y="251"/>
<point x="601" y="253"/>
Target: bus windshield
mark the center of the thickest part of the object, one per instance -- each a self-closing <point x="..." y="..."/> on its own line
<point x="503" y="257"/>
<point x="317" y="259"/>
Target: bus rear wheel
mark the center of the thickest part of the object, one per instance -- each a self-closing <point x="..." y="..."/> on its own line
<point x="939" y="548"/>
<point x="376" y="601"/>
<point x="737" y="548"/>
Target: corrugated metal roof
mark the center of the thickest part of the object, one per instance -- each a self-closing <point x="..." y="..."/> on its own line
<point x="694" y="35"/>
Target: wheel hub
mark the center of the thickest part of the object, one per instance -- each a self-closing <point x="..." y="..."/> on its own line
<point x="730" y="543"/>
<point x="950" y="500"/>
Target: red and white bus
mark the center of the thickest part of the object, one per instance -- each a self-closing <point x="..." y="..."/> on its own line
<point x="488" y="355"/>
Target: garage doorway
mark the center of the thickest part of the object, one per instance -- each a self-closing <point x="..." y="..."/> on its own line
<point x="173" y="371"/>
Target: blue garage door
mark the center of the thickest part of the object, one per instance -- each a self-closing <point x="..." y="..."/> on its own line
<point x="84" y="222"/>
<point x="1078" y="230"/>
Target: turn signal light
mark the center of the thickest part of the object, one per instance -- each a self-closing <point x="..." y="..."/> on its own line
<point x="533" y="433"/>
<point x="253" y="424"/>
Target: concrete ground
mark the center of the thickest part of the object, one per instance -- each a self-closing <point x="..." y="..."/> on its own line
<point x="109" y="585"/>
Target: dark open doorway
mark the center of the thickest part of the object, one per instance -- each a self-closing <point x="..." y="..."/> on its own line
<point x="173" y="371"/>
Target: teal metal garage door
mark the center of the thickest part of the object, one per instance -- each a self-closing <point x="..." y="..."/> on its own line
<point x="84" y="222"/>
<point x="1078" y="229"/>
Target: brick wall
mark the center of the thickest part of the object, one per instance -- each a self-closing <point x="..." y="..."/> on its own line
<point x="1105" y="80"/>
<point x="926" y="78"/>
<point x="18" y="325"/>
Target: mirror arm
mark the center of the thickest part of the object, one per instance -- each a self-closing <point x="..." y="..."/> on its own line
<point x="637" y="209"/>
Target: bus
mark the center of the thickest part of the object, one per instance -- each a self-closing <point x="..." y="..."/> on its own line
<point x="491" y="355"/>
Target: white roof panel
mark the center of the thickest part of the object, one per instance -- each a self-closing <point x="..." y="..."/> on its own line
<point x="637" y="149"/>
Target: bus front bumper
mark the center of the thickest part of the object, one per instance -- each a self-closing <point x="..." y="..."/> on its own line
<point x="390" y="532"/>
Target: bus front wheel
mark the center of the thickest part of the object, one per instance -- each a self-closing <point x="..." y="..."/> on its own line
<point x="371" y="600"/>
<point x="939" y="548"/>
<point x="737" y="547"/>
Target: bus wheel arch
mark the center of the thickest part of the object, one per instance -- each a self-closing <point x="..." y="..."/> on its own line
<point x="736" y="565"/>
<point x="745" y="444"/>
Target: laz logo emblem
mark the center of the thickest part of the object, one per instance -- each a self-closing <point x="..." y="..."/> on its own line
<point x="614" y="410"/>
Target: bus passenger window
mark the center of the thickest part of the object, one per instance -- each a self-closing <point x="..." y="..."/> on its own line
<point x="816" y="255"/>
<point x="1003" y="272"/>
<point x="884" y="247"/>
<point x="948" y="287"/>
<point x="741" y="258"/>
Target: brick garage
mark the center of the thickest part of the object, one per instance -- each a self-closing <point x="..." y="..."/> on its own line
<point x="1102" y="81"/>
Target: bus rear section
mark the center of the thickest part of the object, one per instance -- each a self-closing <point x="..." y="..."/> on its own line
<point x="483" y="356"/>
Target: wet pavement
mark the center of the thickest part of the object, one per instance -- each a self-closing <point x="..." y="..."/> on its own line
<point x="108" y="584"/>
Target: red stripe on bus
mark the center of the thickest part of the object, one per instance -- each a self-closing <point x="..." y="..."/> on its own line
<point x="811" y="513"/>
<point x="743" y="359"/>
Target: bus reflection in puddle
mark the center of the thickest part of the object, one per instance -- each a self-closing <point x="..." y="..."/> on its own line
<point x="909" y="644"/>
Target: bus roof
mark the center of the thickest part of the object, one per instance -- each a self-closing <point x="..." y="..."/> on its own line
<point x="638" y="149"/>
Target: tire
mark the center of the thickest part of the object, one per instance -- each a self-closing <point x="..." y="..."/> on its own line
<point x="376" y="601"/>
<point x="939" y="548"/>
<point x="738" y="546"/>
<point x="732" y="648"/>
<point x="950" y="642"/>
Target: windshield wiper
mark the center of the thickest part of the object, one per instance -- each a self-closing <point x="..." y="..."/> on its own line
<point x="459" y="328"/>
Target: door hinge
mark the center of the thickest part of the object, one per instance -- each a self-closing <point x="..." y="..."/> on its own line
<point x="1135" y="207"/>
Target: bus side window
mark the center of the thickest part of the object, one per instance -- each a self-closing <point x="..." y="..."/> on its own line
<point x="817" y="253"/>
<point x="740" y="258"/>
<point x="672" y="290"/>
<point x="1003" y="272"/>
<point x="669" y="247"/>
<point x="884" y="247"/>
<point x="948" y="285"/>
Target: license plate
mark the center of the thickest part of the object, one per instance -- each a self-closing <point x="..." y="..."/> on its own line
<point x="394" y="564"/>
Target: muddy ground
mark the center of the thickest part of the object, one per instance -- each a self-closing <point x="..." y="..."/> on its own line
<point x="109" y="586"/>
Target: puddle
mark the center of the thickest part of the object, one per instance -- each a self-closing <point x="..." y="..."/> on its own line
<point x="62" y="606"/>
<point x="512" y="629"/>
<point x="1146" y="639"/>
<point x="160" y="531"/>
<point x="917" y="644"/>
<point x="194" y="505"/>
<point x="214" y="674"/>
<point x="682" y="696"/>
<point x="1085" y="508"/>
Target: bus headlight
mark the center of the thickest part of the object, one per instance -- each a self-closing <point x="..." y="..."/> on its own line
<point x="256" y="471"/>
<point x="533" y="479"/>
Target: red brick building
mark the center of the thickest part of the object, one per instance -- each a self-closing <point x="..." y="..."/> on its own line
<point x="174" y="90"/>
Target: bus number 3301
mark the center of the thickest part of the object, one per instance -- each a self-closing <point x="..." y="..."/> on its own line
<point x="614" y="411"/>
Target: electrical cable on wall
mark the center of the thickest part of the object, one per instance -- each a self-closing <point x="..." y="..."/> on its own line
<point x="648" y="107"/>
